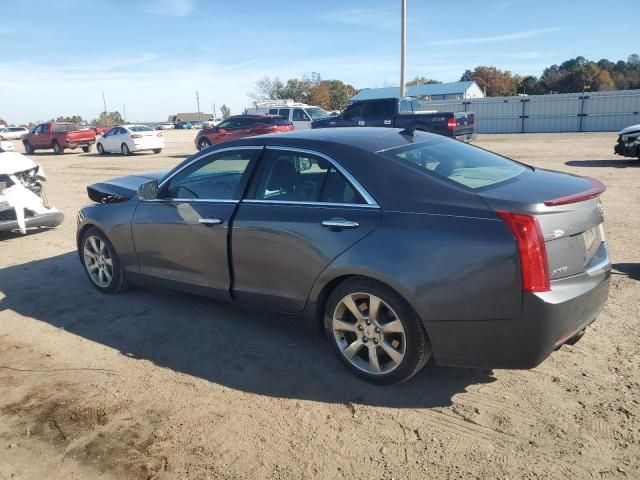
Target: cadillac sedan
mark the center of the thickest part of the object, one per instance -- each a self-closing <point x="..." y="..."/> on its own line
<point x="403" y="245"/>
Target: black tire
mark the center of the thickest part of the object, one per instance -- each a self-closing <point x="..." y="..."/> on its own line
<point x="28" y="149"/>
<point x="86" y="149"/>
<point x="118" y="281"/>
<point x="57" y="149"/>
<point x="203" y="143"/>
<point x="417" y="347"/>
<point x="1" y="137"/>
<point x="124" y="148"/>
<point x="157" y="150"/>
<point x="100" y="149"/>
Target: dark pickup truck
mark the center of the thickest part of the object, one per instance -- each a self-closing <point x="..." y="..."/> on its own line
<point x="402" y="113"/>
<point x="58" y="136"/>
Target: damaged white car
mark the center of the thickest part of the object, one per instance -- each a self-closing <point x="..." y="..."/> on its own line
<point x="22" y="201"/>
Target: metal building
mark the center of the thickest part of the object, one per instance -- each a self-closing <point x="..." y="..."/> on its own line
<point x="568" y="112"/>
<point x="431" y="91"/>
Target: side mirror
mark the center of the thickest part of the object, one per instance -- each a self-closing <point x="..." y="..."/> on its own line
<point x="148" y="190"/>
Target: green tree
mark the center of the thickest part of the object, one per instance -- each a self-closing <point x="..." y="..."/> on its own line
<point x="267" y="89"/>
<point x="339" y="94"/>
<point x="108" y="119"/>
<point x="225" y="111"/>
<point x="422" y="81"/>
<point x="77" y="119"/>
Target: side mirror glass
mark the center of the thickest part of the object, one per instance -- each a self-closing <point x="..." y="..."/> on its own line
<point x="304" y="164"/>
<point x="148" y="190"/>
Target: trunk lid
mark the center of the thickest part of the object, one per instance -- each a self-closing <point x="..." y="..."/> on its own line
<point x="80" y="135"/>
<point x="569" y="213"/>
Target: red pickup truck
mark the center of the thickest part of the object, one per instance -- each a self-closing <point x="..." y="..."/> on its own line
<point x="58" y="135"/>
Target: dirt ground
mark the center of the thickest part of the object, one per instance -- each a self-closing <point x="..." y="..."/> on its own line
<point x="153" y="384"/>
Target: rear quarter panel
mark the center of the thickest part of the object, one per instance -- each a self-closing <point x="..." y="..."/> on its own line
<point x="446" y="267"/>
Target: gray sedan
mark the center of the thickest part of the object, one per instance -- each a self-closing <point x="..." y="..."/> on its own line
<point x="402" y="245"/>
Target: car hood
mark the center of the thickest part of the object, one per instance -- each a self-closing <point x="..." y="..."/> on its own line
<point x="13" y="162"/>
<point x="120" y="189"/>
<point x="630" y="129"/>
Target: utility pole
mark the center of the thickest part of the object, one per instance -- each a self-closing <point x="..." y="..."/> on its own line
<point x="198" y="100"/>
<point x="214" y="111"/>
<point x="403" y="47"/>
<point x="124" y="112"/>
<point x="104" y="102"/>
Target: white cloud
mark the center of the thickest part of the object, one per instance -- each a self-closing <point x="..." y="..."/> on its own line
<point x="176" y="8"/>
<point x="496" y="38"/>
<point x="364" y="17"/>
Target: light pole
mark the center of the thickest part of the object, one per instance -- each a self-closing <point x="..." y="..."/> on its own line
<point x="403" y="47"/>
<point x="198" y="101"/>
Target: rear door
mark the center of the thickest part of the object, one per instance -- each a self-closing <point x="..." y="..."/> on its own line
<point x="181" y="238"/>
<point x="380" y="113"/>
<point x="301" y="211"/>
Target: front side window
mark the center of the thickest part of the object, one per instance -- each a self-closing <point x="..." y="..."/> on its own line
<point x="458" y="162"/>
<point x="140" y="128"/>
<point x="299" y="115"/>
<point x="354" y="112"/>
<point x="45" y="128"/>
<point x="302" y="177"/>
<point x="215" y="177"/>
<point x="228" y="123"/>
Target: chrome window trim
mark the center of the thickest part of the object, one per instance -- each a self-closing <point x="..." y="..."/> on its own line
<point x="350" y="178"/>
<point x="285" y="203"/>
<point x="200" y="156"/>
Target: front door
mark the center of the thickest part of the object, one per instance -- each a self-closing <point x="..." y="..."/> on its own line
<point x="181" y="237"/>
<point x="299" y="214"/>
<point x="300" y="119"/>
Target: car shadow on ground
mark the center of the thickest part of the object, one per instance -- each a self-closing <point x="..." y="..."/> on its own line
<point x="241" y="348"/>
<point x="613" y="163"/>
<point x="631" y="270"/>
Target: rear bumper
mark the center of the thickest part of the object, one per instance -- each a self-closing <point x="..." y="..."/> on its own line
<point x="547" y="321"/>
<point x="81" y="143"/>
<point x="49" y="219"/>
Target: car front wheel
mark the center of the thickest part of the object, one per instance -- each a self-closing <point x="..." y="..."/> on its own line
<point x="375" y="332"/>
<point x="100" y="149"/>
<point x="101" y="262"/>
<point x="124" y="148"/>
<point x="203" y="143"/>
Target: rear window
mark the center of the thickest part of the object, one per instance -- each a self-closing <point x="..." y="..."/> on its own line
<point x="458" y="162"/>
<point x="64" y="127"/>
<point x="140" y="128"/>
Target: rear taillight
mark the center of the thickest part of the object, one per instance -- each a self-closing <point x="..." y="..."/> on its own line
<point x="451" y="123"/>
<point x="532" y="250"/>
<point x="597" y="187"/>
<point x="136" y="135"/>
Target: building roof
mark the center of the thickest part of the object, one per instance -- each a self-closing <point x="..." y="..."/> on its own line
<point x="451" y="88"/>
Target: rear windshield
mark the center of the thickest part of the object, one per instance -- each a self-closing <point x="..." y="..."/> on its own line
<point x="64" y="127"/>
<point x="458" y="162"/>
<point x="141" y="128"/>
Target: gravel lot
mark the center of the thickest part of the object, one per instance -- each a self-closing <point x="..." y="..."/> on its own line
<point x="153" y="384"/>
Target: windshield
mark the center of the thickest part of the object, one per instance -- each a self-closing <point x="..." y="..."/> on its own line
<point x="140" y="128"/>
<point x="464" y="164"/>
<point x="316" y="113"/>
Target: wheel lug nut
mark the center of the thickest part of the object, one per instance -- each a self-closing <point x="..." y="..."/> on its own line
<point x="377" y="330"/>
<point x="365" y="339"/>
<point x="368" y="322"/>
<point x="360" y="327"/>
<point x="375" y="340"/>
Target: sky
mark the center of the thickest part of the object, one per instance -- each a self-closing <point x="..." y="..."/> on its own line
<point x="151" y="56"/>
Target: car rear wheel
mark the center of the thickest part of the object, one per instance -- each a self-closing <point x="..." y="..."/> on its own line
<point x="58" y="150"/>
<point x="203" y="143"/>
<point x="100" y="149"/>
<point x="375" y="332"/>
<point x="28" y="148"/>
<point x="86" y="149"/>
<point x="157" y="150"/>
<point x="125" y="149"/>
<point x="101" y="262"/>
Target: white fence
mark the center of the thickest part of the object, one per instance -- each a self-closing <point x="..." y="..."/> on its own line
<point x="567" y="112"/>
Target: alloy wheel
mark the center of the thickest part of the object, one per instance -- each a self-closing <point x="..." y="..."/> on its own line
<point x="98" y="261"/>
<point x="369" y="333"/>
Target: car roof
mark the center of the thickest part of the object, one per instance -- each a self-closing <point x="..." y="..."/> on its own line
<point x="370" y="139"/>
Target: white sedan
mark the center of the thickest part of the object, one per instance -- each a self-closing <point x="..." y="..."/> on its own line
<point x="12" y="133"/>
<point x="126" y="139"/>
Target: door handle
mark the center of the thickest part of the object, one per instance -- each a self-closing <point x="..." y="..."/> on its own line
<point x="339" y="223"/>
<point x="387" y="122"/>
<point x="211" y="221"/>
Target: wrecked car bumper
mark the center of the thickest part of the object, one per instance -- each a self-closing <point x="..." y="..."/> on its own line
<point x="49" y="219"/>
